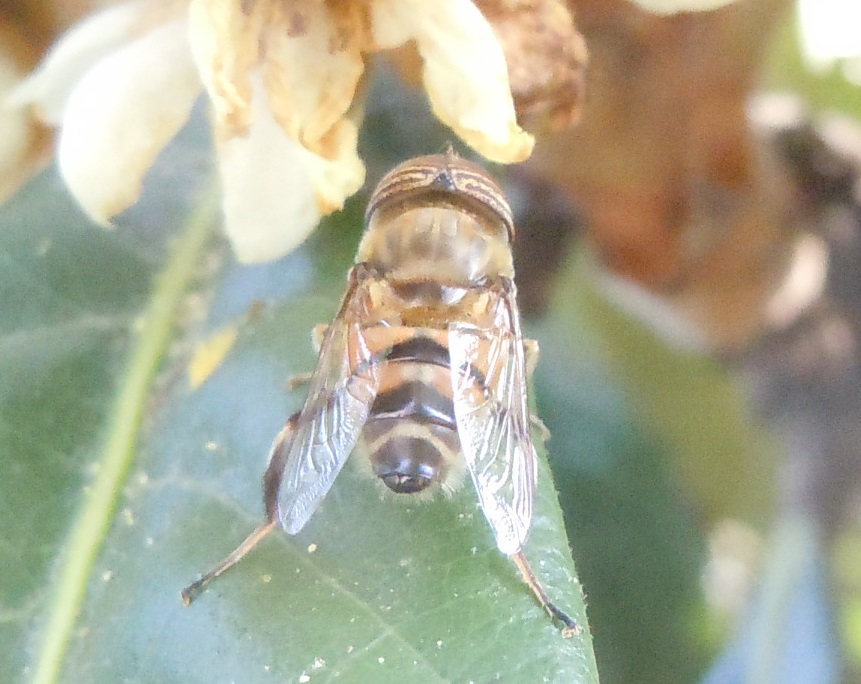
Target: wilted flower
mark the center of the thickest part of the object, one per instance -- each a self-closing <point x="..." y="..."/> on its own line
<point x="546" y="58"/>
<point x="282" y="76"/>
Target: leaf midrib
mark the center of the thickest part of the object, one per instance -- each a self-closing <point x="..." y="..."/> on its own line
<point x="96" y="514"/>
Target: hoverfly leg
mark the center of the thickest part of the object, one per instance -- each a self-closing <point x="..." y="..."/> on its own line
<point x="318" y="334"/>
<point x="193" y="589"/>
<point x="531" y="353"/>
<point x="538" y="424"/>
<point x="569" y="626"/>
<point x="271" y="484"/>
<point x="361" y="272"/>
<point x="294" y="382"/>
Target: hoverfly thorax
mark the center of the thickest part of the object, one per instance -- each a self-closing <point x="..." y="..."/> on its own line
<point x="424" y="363"/>
<point x="440" y="219"/>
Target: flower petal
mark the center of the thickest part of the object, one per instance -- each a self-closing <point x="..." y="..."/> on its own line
<point x="225" y="36"/>
<point x="675" y="6"/>
<point x="546" y="57"/>
<point x="120" y="116"/>
<point x="49" y="86"/>
<point x="312" y="68"/>
<point x="341" y="173"/>
<point x="465" y="74"/>
<point x="275" y="191"/>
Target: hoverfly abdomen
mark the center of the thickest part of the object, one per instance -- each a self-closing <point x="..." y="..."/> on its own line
<point x="421" y="348"/>
<point x="411" y="456"/>
<point x="411" y="433"/>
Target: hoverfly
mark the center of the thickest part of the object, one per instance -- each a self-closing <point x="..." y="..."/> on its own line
<point x="424" y="362"/>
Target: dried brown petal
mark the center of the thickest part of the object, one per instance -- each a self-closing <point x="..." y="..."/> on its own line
<point x="27" y="29"/>
<point x="546" y="57"/>
<point x="225" y="43"/>
<point x="312" y="68"/>
<point x="22" y="141"/>
<point x="464" y="71"/>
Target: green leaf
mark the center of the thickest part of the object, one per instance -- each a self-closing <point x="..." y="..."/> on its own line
<point x="638" y="547"/>
<point x="69" y="296"/>
<point x="119" y="486"/>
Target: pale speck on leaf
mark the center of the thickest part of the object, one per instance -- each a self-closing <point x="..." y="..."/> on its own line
<point x="44" y="246"/>
<point x="209" y="355"/>
<point x="129" y="516"/>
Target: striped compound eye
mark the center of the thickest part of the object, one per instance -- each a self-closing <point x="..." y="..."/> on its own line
<point x="443" y="178"/>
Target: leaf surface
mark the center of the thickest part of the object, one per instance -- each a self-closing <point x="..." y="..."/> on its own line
<point x="97" y="546"/>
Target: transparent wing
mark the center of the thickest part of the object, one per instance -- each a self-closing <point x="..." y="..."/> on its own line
<point x="315" y="444"/>
<point x="490" y="404"/>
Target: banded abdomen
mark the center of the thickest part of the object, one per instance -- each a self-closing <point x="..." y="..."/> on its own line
<point x="411" y="433"/>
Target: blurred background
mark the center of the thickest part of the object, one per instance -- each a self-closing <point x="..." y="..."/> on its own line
<point x="689" y="257"/>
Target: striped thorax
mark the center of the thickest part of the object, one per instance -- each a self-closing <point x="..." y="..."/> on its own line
<point x="438" y="219"/>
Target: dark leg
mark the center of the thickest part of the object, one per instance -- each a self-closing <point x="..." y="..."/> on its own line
<point x="271" y="485"/>
<point x="569" y="627"/>
<point x="193" y="589"/>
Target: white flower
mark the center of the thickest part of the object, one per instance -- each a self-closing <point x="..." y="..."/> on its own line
<point x="676" y="6"/>
<point x="282" y="76"/>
